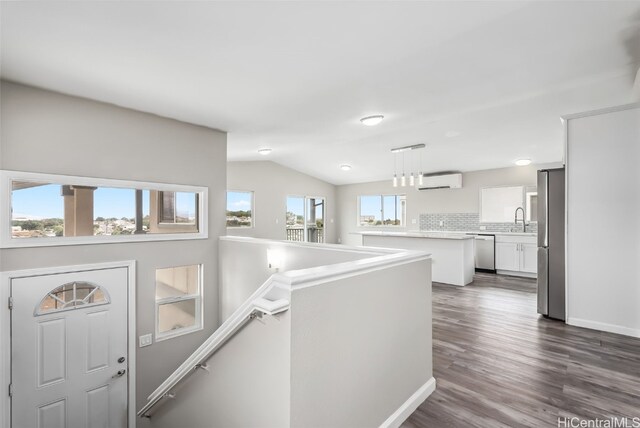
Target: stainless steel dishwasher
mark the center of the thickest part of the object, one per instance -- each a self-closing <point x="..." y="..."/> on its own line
<point x="485" y="252"/>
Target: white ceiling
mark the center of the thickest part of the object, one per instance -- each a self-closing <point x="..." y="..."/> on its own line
<point x="297" y="76"/>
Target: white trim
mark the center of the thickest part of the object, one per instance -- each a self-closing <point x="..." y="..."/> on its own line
<point x="598" y="112"/>
<point x="5" y="325"/>
<point x="517" y="273"/>
<point x="6" y="241"/>
<point x="333" y="247"/>
<point x="600" y="326"/>
<point x="409" y="406"/>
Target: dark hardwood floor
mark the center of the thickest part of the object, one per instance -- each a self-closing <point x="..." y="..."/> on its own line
<point x="499" y="364"/>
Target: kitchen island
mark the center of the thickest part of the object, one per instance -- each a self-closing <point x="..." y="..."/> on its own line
<point x="452" y="253"/>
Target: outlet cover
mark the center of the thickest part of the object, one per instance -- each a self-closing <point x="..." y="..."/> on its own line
<point x="145" y="340"/>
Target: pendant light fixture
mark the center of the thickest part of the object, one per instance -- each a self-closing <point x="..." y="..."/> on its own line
<point x="420" y="174"/>
<point x="412" y="176"/>
<point x="395" y="175"/>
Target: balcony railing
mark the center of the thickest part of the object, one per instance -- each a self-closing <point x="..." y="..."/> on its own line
<point x="314" y="234"/>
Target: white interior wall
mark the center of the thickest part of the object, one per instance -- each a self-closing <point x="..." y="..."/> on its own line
<point x="52" y="133"/>
<point x="271" y="184"/>
<point x="464" y="200"/>
<point x="238" y="282"/>
<point x="603" y="221"/>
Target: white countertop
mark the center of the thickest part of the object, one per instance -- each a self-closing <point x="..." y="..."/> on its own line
<point x="418" y="234"/>
<point x="485" y="232"/>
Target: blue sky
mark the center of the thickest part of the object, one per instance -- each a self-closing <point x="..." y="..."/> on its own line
<point x="370" y="205"/>
<point x="46" y="202"/>
<point x="238" y="201"/>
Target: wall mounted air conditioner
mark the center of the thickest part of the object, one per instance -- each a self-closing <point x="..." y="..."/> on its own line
<point x="441" y="181"/>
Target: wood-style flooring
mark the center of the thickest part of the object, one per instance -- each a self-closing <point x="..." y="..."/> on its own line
<point x="499" y="364"/>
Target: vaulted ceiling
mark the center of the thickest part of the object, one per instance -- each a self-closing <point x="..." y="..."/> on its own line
<point x="480" y="83"/>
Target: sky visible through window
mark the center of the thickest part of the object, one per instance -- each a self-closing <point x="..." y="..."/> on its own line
<point x="372" y="207"/>
<point x="238" y="201"/>
<point x="46" y="201"/>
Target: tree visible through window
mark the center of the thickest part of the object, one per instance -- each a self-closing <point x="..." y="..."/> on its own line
<point x="381" y="210"/>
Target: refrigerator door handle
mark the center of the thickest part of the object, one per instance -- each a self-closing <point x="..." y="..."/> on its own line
<point x="543" y="208"/>
<point x="543" y="280"/>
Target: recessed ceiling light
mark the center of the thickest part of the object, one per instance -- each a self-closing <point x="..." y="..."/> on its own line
<point x="264" y="151"/>
<point x="523" y="162"/>
<point x="345" y="167"/>
<point x="372" y="120"/>
<point x="452" y="134"/>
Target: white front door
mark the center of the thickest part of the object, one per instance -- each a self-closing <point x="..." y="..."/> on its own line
<point x="69" y="363"/>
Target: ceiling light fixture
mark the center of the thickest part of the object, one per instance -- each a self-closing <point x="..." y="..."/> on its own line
<point x="523" y="162"/>
<point x="345" y="167"/>
<point x="403" y="177"/>
<point x="265" y="151"/>
<point x="372" y="120"/>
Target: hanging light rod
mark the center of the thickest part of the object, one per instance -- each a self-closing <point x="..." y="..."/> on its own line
<point x="407" y="148"/>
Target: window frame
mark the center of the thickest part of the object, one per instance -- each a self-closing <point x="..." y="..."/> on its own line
<point x="199" y="300"/>
<point x="403" y="220"/>
<point x="253" y="210"/>
<point x="526" y="190"/>
<point x="6" y="240"/>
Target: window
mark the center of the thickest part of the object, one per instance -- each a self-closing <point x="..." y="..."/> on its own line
<point x="239" y="209"/>
<point x="73" y="295"/>
<point x="62" y="210"/>
<point x="178" y="301"/>
<point x="531" y="197"/>
<point x="499" y="204"/>
<point x="177" y="207"/>
<point x="382" y="210"/>
<point x="305" y="219"/>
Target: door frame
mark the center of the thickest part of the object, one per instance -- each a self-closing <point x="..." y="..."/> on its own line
<point x="5" y="329"/>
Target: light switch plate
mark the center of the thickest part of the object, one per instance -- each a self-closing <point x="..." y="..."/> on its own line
<point x="145" y="340"/>
<point x="414" y="221"/>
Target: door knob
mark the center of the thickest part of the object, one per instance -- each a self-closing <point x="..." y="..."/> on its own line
<point x="119" y="373"/>
<point x="121" y="360"/>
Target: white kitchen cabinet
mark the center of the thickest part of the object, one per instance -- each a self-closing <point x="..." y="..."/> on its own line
<point x="529" y="258"/>
<point x="517" y="255"/>
<point x="507" y="256"/>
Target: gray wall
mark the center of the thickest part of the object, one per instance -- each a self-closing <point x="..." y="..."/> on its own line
<point x="248" y="384"/>
<point x="464" y="200"/>
<point x="603" y="222"/>
<point x="52" y="133"/>
<point x="360" y="346"/>
<point x="271" y="184"/>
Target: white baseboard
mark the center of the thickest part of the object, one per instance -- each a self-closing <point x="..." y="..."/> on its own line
<point x="610" y="328"/>
<point x="409" y="406"/>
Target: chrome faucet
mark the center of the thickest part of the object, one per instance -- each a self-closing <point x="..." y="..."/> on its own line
<point x="524" y="224"/>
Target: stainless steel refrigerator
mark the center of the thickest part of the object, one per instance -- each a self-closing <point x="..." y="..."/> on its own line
<point x="551" y="257"/>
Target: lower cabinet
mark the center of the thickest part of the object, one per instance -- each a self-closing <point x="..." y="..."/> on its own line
<point x="517" y="254"/>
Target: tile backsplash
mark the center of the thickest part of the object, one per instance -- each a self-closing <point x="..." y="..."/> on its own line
<point x="466" y="222"/>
